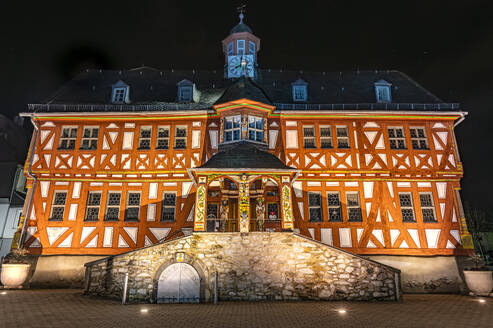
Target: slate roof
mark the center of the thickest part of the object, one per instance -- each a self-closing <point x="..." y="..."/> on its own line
<point x="149" y="86"/>
<point x="244" y="88"/>
<point x="245" y="155"/>
<point x="241" y="27"/>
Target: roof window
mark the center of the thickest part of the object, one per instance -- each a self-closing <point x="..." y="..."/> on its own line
<point x="120" y="93"/>
<point x="300" y="90"/>
<point x="185" y="91"/>
<point x="383" y="91"/>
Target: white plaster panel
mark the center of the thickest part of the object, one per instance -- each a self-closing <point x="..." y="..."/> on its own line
<point x="54" y="233"/>
<point x="291" y="139"/>
<point x="298" y="188"/>
<point x="415" y="236"/>
<point x="72" y="213"/>
<point x="404" y="184"/>
<point x="151" y="212"/>
<point x="345" y="237"/>
<point x="108" y="237"/>
<point x="432" y="236"/>
<point x="121" y="242"/>
<point x="394" y="234"/>
<point x="379" y="235"/>
<point x="273" y="138"/>
<point x="196" y="139"/>
<point x="456" y="235"/>
<point x="312" y="232"/>
<point x="314" y="184"/>
<point x="132" y="232"/>
<point x="368" y="188"/>
<point x="326" y="236"/>
<point x="128" y="140"/>
<point x="159" y="233"/>
<point x="351" y="184"/>
<point x="67" y="242"/>
<point x="45" y="186"/>
<point x="152" y="190"/>
<point x="185" y="189"/>
<point x="441" y="189"/>
<point x="213" y="137"/>
<point x="291" y="123"/>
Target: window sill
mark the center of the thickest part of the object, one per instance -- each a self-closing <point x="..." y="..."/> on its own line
<point x="55" y="220"/>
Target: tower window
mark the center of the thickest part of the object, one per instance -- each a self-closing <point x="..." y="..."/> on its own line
<point x="232" y="128"/>
<point x="230" y="49"/>
<point x="251" y="48"/>
<point x="255" y="128"/>
<point x="383" y="91"/>
<point x="240" y="47"/>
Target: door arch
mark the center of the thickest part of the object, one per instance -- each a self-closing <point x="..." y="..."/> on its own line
<point x="179" y="283"/>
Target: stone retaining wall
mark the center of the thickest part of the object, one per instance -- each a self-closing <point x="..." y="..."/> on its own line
<point x="251" y="266"/>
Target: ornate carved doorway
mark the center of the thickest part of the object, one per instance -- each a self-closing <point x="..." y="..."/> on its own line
<point x="179" y="283"/>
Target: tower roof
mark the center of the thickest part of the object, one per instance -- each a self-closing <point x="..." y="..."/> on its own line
<point x="241" y="27"/>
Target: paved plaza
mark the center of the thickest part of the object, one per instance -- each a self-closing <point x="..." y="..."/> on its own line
<point x="69" y="308"/>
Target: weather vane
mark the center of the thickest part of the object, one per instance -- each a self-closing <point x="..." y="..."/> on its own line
<point x="241" y="9"/>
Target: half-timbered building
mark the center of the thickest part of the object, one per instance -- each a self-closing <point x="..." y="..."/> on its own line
<point x="366" y="161"/>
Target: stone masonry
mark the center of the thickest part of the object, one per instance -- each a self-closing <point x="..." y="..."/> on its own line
<point x="250" y="266"/>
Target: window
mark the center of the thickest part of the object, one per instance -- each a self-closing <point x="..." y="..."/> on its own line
<point x="89" y="138"/>
<point x="212" y="212"/>
<point x="162" y="141"/>
<point x="325" y="136"/>
<point x="272" y="211"/>
<point x="181" y="137"/>
<point x="315" y="206"/>
<point x="92" y="205"/>
<point x="230" y="49"/>
<point x="353" y="207"/>
<point x="240" y="47"/>
<point x="185" y="93"/>
<point x="68" y="137"/>
<point x="168" y="208"/>
<point x="251" y="48"/>
<point x="145" y="137"/>
<point x="299" y="93"/>
<point x="342" y="137"/>
<point x="382" y="91"/>
<point x="427" y="207"/>
<point x="418" y="138"/>
<point x="133" y="206"/>
<point x="407" y="208"/>
<point x="58" y="205"/>
<point x="119" y="95"/>
<point x="397" y="139"/>
<point x="309" y="137"/>
<point x="255" y="128"/>
<point x="334" y="207"/>
<point x="113" y="206"/>
<point x="232" y="126"/>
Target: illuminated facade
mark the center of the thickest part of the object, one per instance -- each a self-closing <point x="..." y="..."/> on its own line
<point x="366" y="161"/>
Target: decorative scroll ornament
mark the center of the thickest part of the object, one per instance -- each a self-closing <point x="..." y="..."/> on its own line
<point x="244" y="206"/>
<point x="199" y="223"/>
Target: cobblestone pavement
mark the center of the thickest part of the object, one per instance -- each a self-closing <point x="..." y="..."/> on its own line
<point x="69" y="308"/>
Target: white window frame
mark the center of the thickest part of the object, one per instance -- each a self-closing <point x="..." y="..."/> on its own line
<point x="309" y="138"/>
<point x="314" y="206"/>
<point x="158" y="138"/>
<point x="326" y="138"/>
<point x="98" y="206"/>
<point x="127" y="206"/>
<point x="432" y="206"/>
<point x="108" y="206"/>
<point x="168" y="206"/>
<point x="410" y="194"/>
<point x="338" y="207"/>
<point x="185" y="138"/>
<point x="119" y="95"/>
<point x="341" y="138"/>
<point x="418" y="139"/>
<point x="69" y="138"/>
<point x="233" y="128"/>
<point x="148" y="139"/>
<point x="89" y="139"/>
<point x="251" y="48"/>
<point x="255" y="129"/>
<point x="385" y="87"/>
<point x="299" y="92"/>
<point x="62" y="206"/>
<point x="395" y="138"/>
<point x="240" y="47"/>
<point x="353" y="206"/>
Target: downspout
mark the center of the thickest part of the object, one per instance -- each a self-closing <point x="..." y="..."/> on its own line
<point x="30" y="174"/>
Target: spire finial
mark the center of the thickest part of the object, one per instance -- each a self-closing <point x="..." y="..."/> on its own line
<point x="241" y="10"/>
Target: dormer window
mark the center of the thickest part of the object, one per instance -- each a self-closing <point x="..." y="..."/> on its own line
<point x="120" y="93"/>
<point x="300" y="90"/>
<point x="383" y="91"/>
<point x="240" y="47"/>
<point x="185" y="91"/>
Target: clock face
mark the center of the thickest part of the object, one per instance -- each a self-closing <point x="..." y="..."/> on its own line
<point x="239" y="65"/>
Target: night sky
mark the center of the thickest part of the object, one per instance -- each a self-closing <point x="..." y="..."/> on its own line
<point x="447" y="46"/>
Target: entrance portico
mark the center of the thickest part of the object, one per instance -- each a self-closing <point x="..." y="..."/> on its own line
<point x="243" y="189"/>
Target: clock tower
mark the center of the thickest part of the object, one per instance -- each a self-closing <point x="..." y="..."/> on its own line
<point x="240" y="49"/>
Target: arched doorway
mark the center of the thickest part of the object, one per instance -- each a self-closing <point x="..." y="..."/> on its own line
<point x="179" y="283"/>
